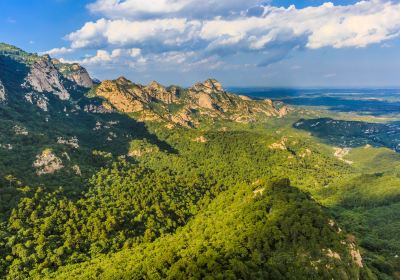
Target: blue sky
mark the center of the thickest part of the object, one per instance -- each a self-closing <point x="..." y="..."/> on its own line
<point x="279" y="43"/>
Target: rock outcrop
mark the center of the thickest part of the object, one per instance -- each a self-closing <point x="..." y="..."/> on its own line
<point x="72" y="142"/>
<point x="75" y="73"/>
<point x="44" y="77"/>
<point x="341" y="153"/>
<point x="280" y="145"/>
<point x="123" y="95"/>
<point x="209" y="86"/>
<point x="20" y="130"/>
<point x="159" y="92"/>
<point x="41" y="101"/>
<point x="3" y="95"/>
<point x="47" y="163"/>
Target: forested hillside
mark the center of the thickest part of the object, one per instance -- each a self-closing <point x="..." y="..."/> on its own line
<point x="122" y="181"/>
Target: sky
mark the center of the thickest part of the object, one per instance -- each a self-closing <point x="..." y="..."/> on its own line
<point x="266" y="43"/>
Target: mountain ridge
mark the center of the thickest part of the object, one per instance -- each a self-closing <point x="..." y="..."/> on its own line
<point x="41" y="75"/>
<point x="185" y="107"/>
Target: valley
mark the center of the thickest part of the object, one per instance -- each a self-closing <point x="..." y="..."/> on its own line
<point x="352" y="134"/>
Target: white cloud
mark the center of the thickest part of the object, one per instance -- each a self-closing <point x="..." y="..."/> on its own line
<point x="123" y="32"/>
<point x="116" y="56"/>
<point x="101" y="57"/>
<point x="134" y="9"/>
<point x="133" y="58"/>
<point x="357" y="25"/>
<point x="58" y="51"/>
<point x="273" y="32"/>
<point x="135" y="52"/>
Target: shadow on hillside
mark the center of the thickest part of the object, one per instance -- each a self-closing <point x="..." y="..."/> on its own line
<point x="109" y="132"/>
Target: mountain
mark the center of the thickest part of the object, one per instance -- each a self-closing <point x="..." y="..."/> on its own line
<point x="117" y="180"/>
<point x="185" y="107"/>
<point x="42" y="100"/>
<point x="49" y="128"/>
<point x="41" y="74"/>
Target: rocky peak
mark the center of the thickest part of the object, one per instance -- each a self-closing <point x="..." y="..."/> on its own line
<point x="123" y="81"/>
<point x="160" y="93"/>
<point x="74" y="72"/>
<point x="122" y="94"/>
<point x="214" y="84"/>
<point x="209" y="86"/>
<point x="155" y="86"/>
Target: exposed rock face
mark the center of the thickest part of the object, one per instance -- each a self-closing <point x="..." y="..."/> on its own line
<point x="246" y="98"/>
<point x="259" y="191"/>
<point x="3" y="96"/>
<point x="47" y="163"/>
<point x="102" y="109"/>
<point x="355" y="254"/>
<point x="19" y="130"/>
<point x="205" y="101"/>
<point x="341" y="153"/>
<point x="183" y="118"/>
<point x="280" y="145"/>
<point x="283" y="111"/>
<point x="36" y="79"/>
<point x="189" y="107"/>
<point x="332" y="254"/>
<point x="42" y="102"/>
<point x="77" y="170"/>
<point x="44" y="77"/>
<point x="211" y="95"/>
<point x="159" y="92"/>
<point x="7" y="146"/>
<point x="200" y="139"/>
<point x="123" y="95"/>
<point x="72" y="142"/>
<point x="75" y="73"/>
<point x="209" y="86"/>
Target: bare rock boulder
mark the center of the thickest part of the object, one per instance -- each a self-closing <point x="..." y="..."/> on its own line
<point x="47" y="163"/>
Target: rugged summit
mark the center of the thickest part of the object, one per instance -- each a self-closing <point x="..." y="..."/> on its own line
<point x="39" y="78"/>
<point x="42" y="75"/>
<point x="74" y="72"/>
<point x="185" y="107"/>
